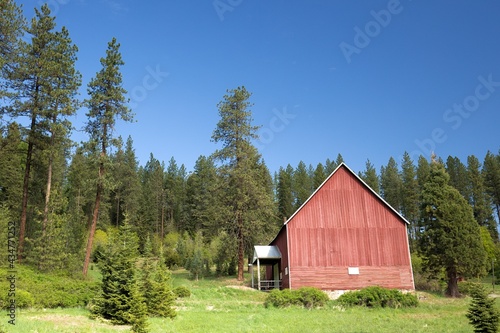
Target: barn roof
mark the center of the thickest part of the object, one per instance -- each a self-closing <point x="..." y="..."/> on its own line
<point x="343" y="165"/>
<point x="263" y="252"/>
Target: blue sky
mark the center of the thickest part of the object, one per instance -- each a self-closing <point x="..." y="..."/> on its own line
<point x="367" y="79"/>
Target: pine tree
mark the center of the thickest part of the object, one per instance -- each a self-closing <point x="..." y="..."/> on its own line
<point x="12" y="27"/>
<point x="246" y="197"/>
<point x="319" y="176"/>
<point x="107" y="102"/>
<point x="202" y="199"/>
<point x="330" y="166"/>
<point x="391" y="184"/>
<point x="301" y="185"/>
<point x="410" y="198"/>
<point x="285" y="193"/>
<point x="63" y="104"/>
<point x="30" y="81"/>
<point x="458" y="176"/>
<point x="491" y="172"/>
<point x="152" y="214"/>
<point x="479" y="199"/>
<point x="370" y="177"/>
<point x="451" y="240"/>
<point x="12" y="149"/>
<point x="482" y="312"/>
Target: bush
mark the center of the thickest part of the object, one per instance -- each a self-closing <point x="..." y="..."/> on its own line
<point x="24" y="299"/>
<point x="467" y="287"/>
<point x="182" y="292"/>
<point x="312" y="297"/>
<point x="378" y="297"/>
<point x="307" y="296"/>
<point x="282" y="298"/>
<point x="48" y="290"/>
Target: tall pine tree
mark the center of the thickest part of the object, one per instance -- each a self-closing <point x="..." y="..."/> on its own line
<point x="106" y="103"/>
<point x="246" y="197"/>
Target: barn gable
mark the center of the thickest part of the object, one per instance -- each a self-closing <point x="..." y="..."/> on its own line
<point x="345" y="236"/>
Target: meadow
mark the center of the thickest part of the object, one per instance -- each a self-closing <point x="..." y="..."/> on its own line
<point x="225" y="305"/>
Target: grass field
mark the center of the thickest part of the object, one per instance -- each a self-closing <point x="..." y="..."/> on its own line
<point x="224" y="305"/>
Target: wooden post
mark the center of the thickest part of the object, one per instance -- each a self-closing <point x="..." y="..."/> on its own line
<point x="250" y="266"/>
<point x="258" y="273"/>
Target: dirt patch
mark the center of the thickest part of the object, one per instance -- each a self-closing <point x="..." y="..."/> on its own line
<point x="62" y="320"/>
<point x="241" y="287"/>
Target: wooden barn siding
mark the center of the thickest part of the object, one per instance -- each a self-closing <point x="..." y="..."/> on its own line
<point x="336" y="278"/>
<point x="280" y="242"/>
<point x="343" y="225"/>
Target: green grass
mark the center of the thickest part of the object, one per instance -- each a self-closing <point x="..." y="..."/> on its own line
<point x="226" y="305"/>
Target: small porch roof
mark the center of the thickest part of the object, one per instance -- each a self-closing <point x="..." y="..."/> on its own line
<point x="267" y="253"/>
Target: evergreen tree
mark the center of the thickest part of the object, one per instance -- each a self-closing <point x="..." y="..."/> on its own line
<point x="451" y="240"/>
<point x="302" y="184"/>
<point x="62" y="104"/>
<point x="330" y="166"/>
<point x="120" y="300"/>
<point x="152" y="209"/>
<point x="12" y="148"/>
<point x="319" y="176"/>
<point x="285" y="193"/>
<point x="339" y="160"/>
<point x="423" y="171"/>
<point x="482" y="312"/>
<point x="410" y="198"/>
<point x="107" y="102"/>
<point x="31" y="81"/>
<point x="391" y="184"/>
<point x="479" y="199"/>
<point x="175" y="178"/>
<point x="491" y="172"/>
<point x="156" y="285"/>
<point x="202" y="199"/>
<point x="246" y="198"/>
<point x="370" y="177"/>
<point x="12" y="27"/>
<point x="458" y="176"/>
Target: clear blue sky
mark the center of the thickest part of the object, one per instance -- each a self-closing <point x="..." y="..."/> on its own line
<point x="367" y="79"/>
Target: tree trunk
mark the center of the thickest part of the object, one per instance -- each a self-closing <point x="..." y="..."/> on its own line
<point x="97" y="204"/>
<point x="95" y="217"/>
<point x="24" y="205"/>
<point x="49" y="182"/>
<point x="241" y="248"/>
<point x="452" y="287"/>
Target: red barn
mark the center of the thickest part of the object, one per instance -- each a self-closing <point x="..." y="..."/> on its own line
<point x="344" y="237"/>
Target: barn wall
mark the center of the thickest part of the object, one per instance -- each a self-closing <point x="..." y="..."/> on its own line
<point x="281" y="243"/>
<point x="345" y="225"/>
<point x="337" y="278"/>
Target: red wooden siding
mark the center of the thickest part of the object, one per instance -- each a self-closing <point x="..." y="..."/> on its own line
<point x="281" y="242"/>
<point x="345" y="225"/>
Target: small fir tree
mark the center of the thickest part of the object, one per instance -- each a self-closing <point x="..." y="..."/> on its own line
<point x="482" y="313"/>
<point x="120" y="300"/>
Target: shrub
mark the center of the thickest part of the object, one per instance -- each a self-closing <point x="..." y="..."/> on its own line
<point x="282" y="298"/>
<point x="378" y="297"/>
<point x="307" y="296"/>
<point x="482" y="313"/>
<point x="467" y="287"/>
<point x="24" y="299"/>
<point x="48" y="290"/>
<point x="312" y="297"/>
<point x="182" y="292"/>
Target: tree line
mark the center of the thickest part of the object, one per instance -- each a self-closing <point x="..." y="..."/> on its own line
<point x="68" y="199"/>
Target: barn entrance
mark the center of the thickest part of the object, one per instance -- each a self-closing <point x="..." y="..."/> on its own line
<point x="268" y="257"/>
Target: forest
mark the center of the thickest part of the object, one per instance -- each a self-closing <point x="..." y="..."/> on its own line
<point x="70" y="201"/>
